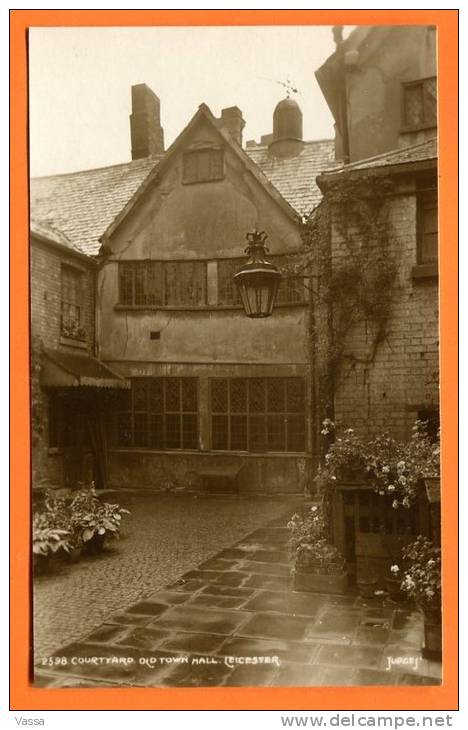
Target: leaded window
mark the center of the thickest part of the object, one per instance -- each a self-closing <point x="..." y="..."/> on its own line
<point x="420" y="103"/>
<point x="258" y="414"/>
<point x="291" y="289"/>
<point x="159" y="413"/>
<point x="428" y="227"/>
<point x="162" y="283"/>
<point x="72" y="295"/>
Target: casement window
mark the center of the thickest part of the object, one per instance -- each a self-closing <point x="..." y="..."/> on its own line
<point x="162" y="283"/>
<point x="420" y="104"/>
<point x="291" y="290"/>
<point x="203" y="165"/>
<point x="427" y="227"/>
<point x="72" y="295"/>
<point x="258" y="414"/>
<point x="159" y="413"/>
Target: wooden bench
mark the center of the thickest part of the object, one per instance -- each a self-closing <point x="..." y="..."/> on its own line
<point x="219" y="479"/>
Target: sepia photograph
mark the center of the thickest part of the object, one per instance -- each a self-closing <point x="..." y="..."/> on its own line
<point x="234" y="318"/>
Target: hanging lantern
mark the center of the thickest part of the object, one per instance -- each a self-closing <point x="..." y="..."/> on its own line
<point x="258" y="280"/>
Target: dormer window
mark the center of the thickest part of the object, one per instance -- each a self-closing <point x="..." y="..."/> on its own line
<point x="420" y="104"/>
<point x="203" y="165"/>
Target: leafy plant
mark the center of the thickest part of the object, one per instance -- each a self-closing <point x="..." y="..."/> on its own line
<point x="47" y="537"/>
<point x="309" y="546"/>
<point x="90" y="516"/>
<point x="394" y="468"/>
<point x="422" y="576"/>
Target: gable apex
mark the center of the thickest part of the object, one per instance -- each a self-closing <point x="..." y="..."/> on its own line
<point x="202" y="114"/>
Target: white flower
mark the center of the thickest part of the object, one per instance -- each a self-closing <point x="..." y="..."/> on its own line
<point x="391" y="487"/>
<point x="406" y="502"/>
<point x="402" y="480"/>
<point x="401" y="465"/>
<point x="314" y="509"/>
<point x="395" y="569"/>
<point x="395" y="504"/>
<point x="385" y="469"/>
<point x="334" y="478"/>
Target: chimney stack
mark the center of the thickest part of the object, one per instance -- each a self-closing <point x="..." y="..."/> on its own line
<point x="232" y="121"/>
<point x="147" y="135"/>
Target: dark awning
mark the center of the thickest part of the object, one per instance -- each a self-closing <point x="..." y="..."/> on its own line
<point x="69" y="370"/>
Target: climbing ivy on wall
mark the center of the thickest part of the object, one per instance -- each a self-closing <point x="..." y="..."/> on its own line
<point x="347" y="244"/>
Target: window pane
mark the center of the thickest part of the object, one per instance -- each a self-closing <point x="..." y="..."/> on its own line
<point x="238" y="395"/>
<point x="173" y="431"/>
<point x="257" y="433"/>
<point x="414" y="105"/>
<point x="275" y="395"/>
<point x="239" y="433"/>
<point x="430" y="101"/>
<point x="296" y="433"/>
<point x="154" y="282"/>
<point x="219" y="396"/>
<point x="295" y="395"/>
<point x="189" y="394"/>
<point x="156" y="401"/>
<point x="140" y="395"/>
<point x="276" y="436"/>
<point x="185" y="283"/>
<point x="124" y="429"/>
<point x="140" y="429"/>
<point x="189" y="431"/>
<point x="172" y="389"/>
<point x="219" y="432"/>
<point x="157" y="431"/>
<point x="257" y="395"/>
<point x="126" y="283"/>
<point x="227" y="289"/>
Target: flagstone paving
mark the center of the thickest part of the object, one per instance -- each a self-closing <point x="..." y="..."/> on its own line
<point x="236" y="621"/>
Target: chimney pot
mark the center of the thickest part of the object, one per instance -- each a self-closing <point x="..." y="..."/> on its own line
<point x="233" y="122"/>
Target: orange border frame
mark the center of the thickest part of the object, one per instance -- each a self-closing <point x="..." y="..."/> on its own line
<point x="26" y="697"/>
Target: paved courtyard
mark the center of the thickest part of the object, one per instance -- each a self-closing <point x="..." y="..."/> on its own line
<point x="235" y="620"/>
<point x="164" y="536"/>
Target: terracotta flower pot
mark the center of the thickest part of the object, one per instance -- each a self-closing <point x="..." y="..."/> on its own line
<point x="41" y="564"/>
<point x="394" y="589"/>
<point x="95" y="545"/>
<point x="367" y="587"/>
<point x="74" y="555"/>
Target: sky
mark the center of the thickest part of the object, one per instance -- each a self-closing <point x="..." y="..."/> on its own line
<point x="80" y="81"/>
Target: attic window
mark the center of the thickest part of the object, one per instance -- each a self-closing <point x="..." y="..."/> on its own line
<point x="203" y="165"/>
<point x="420" y="104"/>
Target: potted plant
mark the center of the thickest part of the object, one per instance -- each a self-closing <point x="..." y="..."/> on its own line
<point x="317" y="565"/>
<point x="47" y="540"/>
<point x="94" y="520"/>
<point x="422" y="582"/>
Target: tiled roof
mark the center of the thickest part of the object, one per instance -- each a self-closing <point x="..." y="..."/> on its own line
<point x="294" y="177"/>
<point x="402" y="156"/>
<point x="79" y="206"/>
<point x="76" y="208"/>
<point x="47" y="231"/>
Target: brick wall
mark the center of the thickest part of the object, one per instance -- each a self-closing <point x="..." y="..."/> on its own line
<point x="387" y="393"/>
<point x="45" y="278"/>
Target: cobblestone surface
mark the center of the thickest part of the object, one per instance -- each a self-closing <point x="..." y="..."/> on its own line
<point x="236" y="620"/>
<point x="164" y="536"/>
